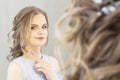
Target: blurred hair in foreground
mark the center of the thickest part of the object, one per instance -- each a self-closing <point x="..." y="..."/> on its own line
<point x="89" y="31"/>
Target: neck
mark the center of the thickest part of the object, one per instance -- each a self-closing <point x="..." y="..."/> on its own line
<point x="33" y="53"/>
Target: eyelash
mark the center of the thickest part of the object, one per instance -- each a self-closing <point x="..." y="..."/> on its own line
<point x="43" y="27"/>
<point x="33" y="27"/>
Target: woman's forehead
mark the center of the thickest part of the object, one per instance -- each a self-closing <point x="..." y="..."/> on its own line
<point x="38" y="19"/>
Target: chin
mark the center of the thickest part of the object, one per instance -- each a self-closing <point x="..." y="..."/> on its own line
<point x="40" y="44"/>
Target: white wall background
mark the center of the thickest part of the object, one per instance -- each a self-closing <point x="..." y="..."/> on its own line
<point x="9" y="8"/>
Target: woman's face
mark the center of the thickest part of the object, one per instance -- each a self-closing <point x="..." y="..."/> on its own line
<point x="39" y="31"/>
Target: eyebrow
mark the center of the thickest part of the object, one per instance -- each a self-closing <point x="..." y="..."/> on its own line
<point x="34" y="24"/>
<point x="37" y="25"/>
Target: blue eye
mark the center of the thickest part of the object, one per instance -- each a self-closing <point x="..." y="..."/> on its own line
<point x="44" y="27"/>
<point x="33" y="27"/>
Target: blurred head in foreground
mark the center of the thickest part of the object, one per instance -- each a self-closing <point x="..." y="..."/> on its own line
<point x="90" y="32"/>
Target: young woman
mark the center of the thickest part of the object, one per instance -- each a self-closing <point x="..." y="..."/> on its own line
<point x="30" y="35"/>
<point x="92" y="39"/>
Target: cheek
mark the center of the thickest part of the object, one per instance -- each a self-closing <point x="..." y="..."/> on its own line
<point x="32" y="34"/>
<point x="46" y="33"/>
<point x="31" y="37"/>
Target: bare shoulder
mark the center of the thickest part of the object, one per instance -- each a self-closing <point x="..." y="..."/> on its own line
<point x="14" y="72"/>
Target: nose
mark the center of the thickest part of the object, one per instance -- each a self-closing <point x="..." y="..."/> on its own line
<point x="40" y="31"/>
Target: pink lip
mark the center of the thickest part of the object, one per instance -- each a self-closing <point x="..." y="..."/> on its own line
<point x="40" y="38"/>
